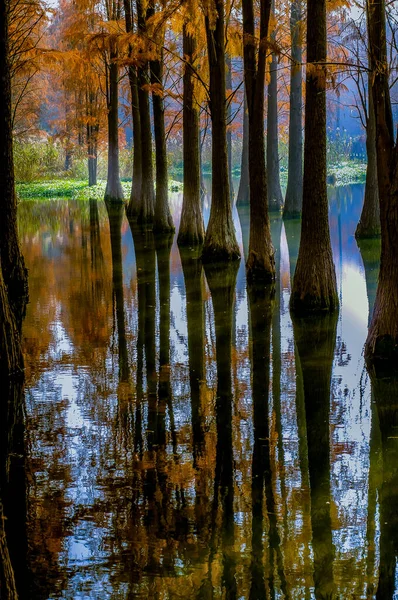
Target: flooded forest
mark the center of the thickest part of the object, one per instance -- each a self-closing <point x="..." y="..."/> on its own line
<point x="198" y="300"/>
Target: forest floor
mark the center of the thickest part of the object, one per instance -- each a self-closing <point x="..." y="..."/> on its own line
<point x="341" y="174"/>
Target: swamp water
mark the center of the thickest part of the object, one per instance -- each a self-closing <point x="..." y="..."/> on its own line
<point x="182" y="438"/>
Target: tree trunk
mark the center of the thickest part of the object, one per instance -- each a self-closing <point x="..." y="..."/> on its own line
<point x="315" y="339"/>
<point x="191" y="230"/>
<point x="294" y="191"/>
<point x="162" y="221"/>
<point x="275" y="198"/>
<point x="260" y="264"/>
<point x="381" y="349"/>
<point x="113" y="191"/>
<point x="146" y="207"/>
<point x="11" y="259"/>
<point x="133" y="205"/>
<point x="244" y="183"/>
<point x="314" y="285"/>
<point x="92" y="145"/>
<point x="369" y="223"/>
<point x="220" y="241"/>
<point x="228" y="85"/>
<point x="8" y="590"/>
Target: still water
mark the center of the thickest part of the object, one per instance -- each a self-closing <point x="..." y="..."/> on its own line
<point x="183" y="438"/>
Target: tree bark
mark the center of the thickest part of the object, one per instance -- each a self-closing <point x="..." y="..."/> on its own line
<point x="381" y="349"/>
<point x="191" y="230"/>
<point x="114" y="190"/>
<point x="369" y="223"/>
<point x="11" y="259"/>
<point x="260" y="264"/>
<point x="162" y="221"/>
<point x="314" y="287"/>
<point x="220" y="241"/>
<point x="133" y="205"/>
<point x="244" y="183"/>
<point x="146" y="206"/>
<point x="275" y="198"/>
<point x="228" y="85"/>
<point x="294" y="191"/>
<point x="92" y="139"/>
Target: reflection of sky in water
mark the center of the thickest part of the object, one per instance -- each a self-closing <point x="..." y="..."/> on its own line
<point x="106" y="542"/>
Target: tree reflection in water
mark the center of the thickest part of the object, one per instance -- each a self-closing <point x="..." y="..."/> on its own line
<point x="184" y="440"/>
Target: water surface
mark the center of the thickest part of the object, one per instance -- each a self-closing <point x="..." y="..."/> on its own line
<point x="183" y="438"/>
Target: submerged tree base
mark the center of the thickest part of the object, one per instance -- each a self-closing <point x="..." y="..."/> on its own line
<point x="218" y="253"/>
<point x="190" y="239"/>
<point x="304" y="303"/>
<point x="381" y="355"/>
<point x="260" y="270"/>
<point x="364" y="231"/>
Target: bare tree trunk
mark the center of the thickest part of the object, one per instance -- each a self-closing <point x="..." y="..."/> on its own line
<point x="369" y="223"/>
<point x="163" y="221"/>
<point x="381" y="349"/>
<point x="275" y="198"/>
<point x="11" y="259"/>
<point x="294" y="191"/>
<point x="228" y="85"/>
<point x="260" y="264"/>
<point x="133" y="205"/>
<point x="191" y="230"/>
<point x="146" y="207"/>
<point x="314" y="286"/>
<point x="92" y="143"/>
<point x="220" y="241"/>
<point x="114" y="190"/>
<point x="244" y="183"/>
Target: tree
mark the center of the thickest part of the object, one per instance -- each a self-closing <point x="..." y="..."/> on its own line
<point x="132" y="207"/>
<point x="260" y="262"/>
<point x="147" y="200"/>
<point x="12" y="263"/>
<point x="162" y="221"/>
<point x="243" y="196"/>
<point x="294" y="191"/>
<point x="314" y="286"/>
<point x="114" y="190"/>
<point x="191" y="230"/>
<point x="381" y="348"/>
<point x="275" y="198"/>
<point x="220" y="241"/>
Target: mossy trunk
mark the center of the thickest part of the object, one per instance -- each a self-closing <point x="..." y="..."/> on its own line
<point x="162" y="222"/>
<point x="381" y="349"/>
<point x="260" y="264"/>
<point x="243" y="196"/>
<point x="114" y="190"/>
<point x="314" y="285"/>
<point x="294" y="191"/>
<point x="191" y="232"/>
<point x="369" y="223"/>
<point x="220" y="241"/>
<point x="12" y="262"/>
